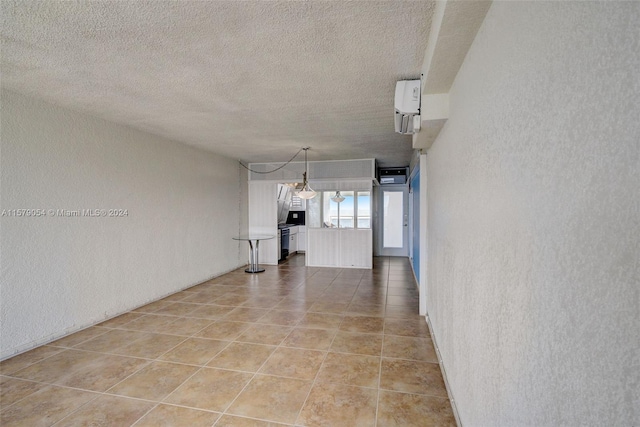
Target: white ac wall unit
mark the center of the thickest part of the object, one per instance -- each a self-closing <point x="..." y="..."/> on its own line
<point x="407" y="106"/>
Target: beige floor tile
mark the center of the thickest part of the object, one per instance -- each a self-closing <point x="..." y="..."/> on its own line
<point x="60" y="367"/>
<point x="118" y="321"/>
<point x="264" y="334"/>
<point x="211" y="311"/>
<point x="376" y="310"/>
<point x="12" y="390"/>
<point x="203" y="297"/>
<point x="401" y="292"/>
<point x="111" y="341"/>
<point x="370" y="294"/>
<point x="332" y="405"/>
<point x="44" y="407"/>
<point x="315" y="339"/>
<point x="295" y="304"/>
<point x="329" y="307"/>
<point x="178" y="296"/>
<point x="294" y="363"/>
<point x="245" y="314"/>
<point x="412" y="348"/>
<point x="231" y="421"/>
<point x="231" y="299"/>
<point x="175" y="416"/>
<point x="369" y="297"/>
<point x="186" y="326"/>
<point x="177" y="309"/>
<point x="331" y="298"/>
<point x="153" y="307"/>
<point x="407" y="327"/>
<point x="403" y="300"/>
<point x="411" y="376"/>
<point x="149" y="323"/>
<point x="9" y="366"/>
<point x="320" y="321"/>
<point x="210" y="389"/>
<point x="242" y="357"/>
<point x="155" y="381"/>
<point x="108" y="411"/>
<point x="102" y="372"/>
<point x="271" y="398"/>
<point x="411" y="410"/>
<point x="210" y="285"/>
<point x="369" y="303"/>
<point x="347" y="342"/>
<point x="262" y="302"/>
<point x="402" y="312"/>
<point x="282" y="317"/>
<point x="79" y="337"/>
<point x="223" y="330"/>
<point x="351" y="369"/>
<point x="365" y="324"/>
<point x="194" y="351"/>
<point x="150" y="345"/>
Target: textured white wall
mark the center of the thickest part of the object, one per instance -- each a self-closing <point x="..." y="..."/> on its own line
<point x="63" y="274"/>
<point x="534" y="219"/>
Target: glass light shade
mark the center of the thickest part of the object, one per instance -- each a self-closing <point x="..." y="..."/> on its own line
<point x="306" y="193"/>
<point x="338" y="197"/>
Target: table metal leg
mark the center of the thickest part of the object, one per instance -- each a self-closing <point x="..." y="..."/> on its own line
<point x="254" y="267"/>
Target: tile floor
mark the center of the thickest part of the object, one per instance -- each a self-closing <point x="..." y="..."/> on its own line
<point x="292" y="346"/>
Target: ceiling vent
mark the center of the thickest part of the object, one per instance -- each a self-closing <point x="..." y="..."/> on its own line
<point x="407" y="106"/>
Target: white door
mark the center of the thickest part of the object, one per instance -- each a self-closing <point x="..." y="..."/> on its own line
<point x="393" y="226"/>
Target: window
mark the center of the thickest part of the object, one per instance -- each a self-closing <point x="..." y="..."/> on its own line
<point x="353" y="212"/>
<point x="364" y="209"/>
<point x="297" y="203"/>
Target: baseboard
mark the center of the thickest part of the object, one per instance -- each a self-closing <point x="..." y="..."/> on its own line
<point x="454" y="407"/>
<point x="70" y="331"/>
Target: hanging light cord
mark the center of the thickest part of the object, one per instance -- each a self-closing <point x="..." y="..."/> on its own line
<point x="276" y="169"/>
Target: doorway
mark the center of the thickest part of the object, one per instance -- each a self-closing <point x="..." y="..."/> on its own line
<point x="393" y="224"/>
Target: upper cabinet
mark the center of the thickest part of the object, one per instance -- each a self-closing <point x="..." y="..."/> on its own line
<point x="284" y="196"/>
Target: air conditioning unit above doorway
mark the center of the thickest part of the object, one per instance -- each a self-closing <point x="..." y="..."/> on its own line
<point x="392" y="176"/>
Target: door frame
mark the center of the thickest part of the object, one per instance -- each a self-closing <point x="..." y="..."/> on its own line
<point x="380" y="249"/>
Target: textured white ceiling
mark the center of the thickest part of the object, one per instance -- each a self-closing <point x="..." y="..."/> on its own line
<point x="247" y="79"/>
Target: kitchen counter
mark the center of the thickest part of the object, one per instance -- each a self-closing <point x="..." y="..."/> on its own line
<point x="297" y="237"/>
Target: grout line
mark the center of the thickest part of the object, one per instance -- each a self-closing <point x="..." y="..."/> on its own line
<point x="325" y="286"/>
<point x="251" y="379"/>
<point x="384" y="326"/>
<point x="75" y="410"/>
<point x="145" y="414"/>
<point x="315" y="379"/>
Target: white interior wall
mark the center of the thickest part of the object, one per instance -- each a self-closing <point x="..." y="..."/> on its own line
<point x="60" y="274"/>
<point x="533" y="204"/>
<point x="424" y="241"/>
<point x="263" y="220"/>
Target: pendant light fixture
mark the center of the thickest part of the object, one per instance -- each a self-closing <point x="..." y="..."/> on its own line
<point x="306" y="192"/>
<point x="338" y="197"/>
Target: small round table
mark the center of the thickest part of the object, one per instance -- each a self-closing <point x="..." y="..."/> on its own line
<point x="251" y="238"/>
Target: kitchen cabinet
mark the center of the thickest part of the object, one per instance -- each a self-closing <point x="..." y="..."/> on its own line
<point x="293" y="244"/>
<point x="302" y="238"/>
<point x="293" y="240"/>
